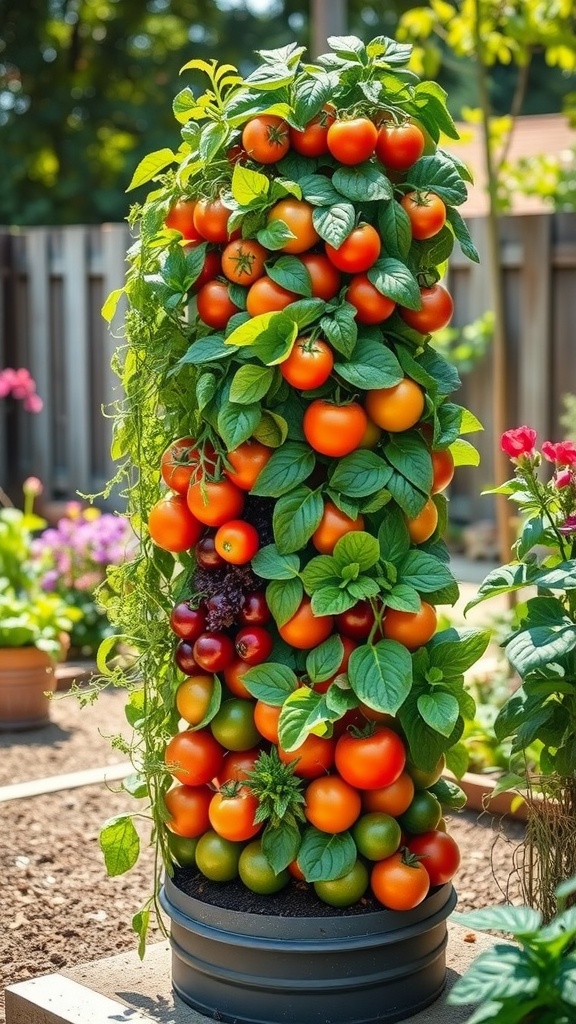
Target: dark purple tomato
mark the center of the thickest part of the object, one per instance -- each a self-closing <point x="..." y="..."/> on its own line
<point x="253" y="644"/>
<point x="254" y="611"/>
<point x="357" y="622"/>
<point x="206" y="554"/>
<point x="187" y="622"/>
<point x="184" y="658"/>
<point x="214" y="651"/>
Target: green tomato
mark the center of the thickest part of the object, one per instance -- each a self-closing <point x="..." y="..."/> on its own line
<point x="377" y="835"/>
<point x="182" y="849"/>
<point x="256" y="873"/>
<point x="422" y="779"/>
<point x="423" y="814"/>
<point x="217" y="858"/>
<point x="344" y="891"/>
<point x="233" y="725"/>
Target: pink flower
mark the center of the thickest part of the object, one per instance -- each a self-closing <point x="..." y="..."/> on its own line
<point x="33" y="403"/>
<point x="569" y="525"/>
<point x="563" y="453"/>
<point x="563" y="478"/>
<point x="32" y="485"/>
<point x="517" y="442"/>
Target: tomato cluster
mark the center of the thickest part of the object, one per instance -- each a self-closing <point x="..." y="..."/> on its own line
<point x="309" y="315"/>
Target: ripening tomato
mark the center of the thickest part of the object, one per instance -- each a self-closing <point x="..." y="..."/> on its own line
<point x="265" y="138"/>
<point x="172" y="525"/>
<point x="442" y="469"/>
<point x="243" y="261"/>
<point x="396" y="408"/>
<point x="186" y="621"/>
<point x="233" y="725"/>
<point x="188" y="810"/>
<point x="206" y="555"/>
<point x="314" y="757"/>
<point x="358" y="252"/>
<point x="246" y="462"/>
<point x="233" y="678"/>
<point x="309" y="364"/>
<point x="254" y="610"/>
<point x="306" y="630"/>
<point x="357" y="622"/>
<point x="213" y="651"/>
<point x="193" y="698"/>
<point x="352" y="141"/>
<point x="435" y="313"/>
<point x="237" y="541"/>
<point x="424" y="779"/>
<point x="266" y="720"/>
<point x="399" y="882"/>
<point x="426" y="212"/>
<point x="333" y="525"/>
<point x="217" y="858"/>
<point x="211" y="220"/>
<point x="185" y="660"/>
<point x="422" y="526"/>
<point x="325" y="277"/>
<point x="215" y="307"/>
<point x="371" y="306"/>
<point x="440" y="855"/>
<point x="312" y="141"/>
<point x="265" y="296"/>
<point x="181" y="218"/>
<point x="399" y="146"/>
<point x="214" y="502"/>
<point x="236" y="766"/>
<point x="372" y="435"/>
<point x="297" y="215"/>
<point x="180" y="461"/>
<point x="334" y="430"/>
<point x="232" y="812"/>
<point x="371" y="758"/>
<point x="423" y="814"/>
<point x="413" y="629"/>
<point x="212" y="268"/>
<point x="332" y="804"/>
<point x="393" y="799"/>
<point x="194" y="757"/>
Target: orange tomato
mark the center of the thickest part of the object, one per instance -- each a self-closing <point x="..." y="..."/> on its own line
<point x="305" y="630"/>
<point x="396" y="408"/>
<point x="332" y="805"/>
<point x="413" y="629"/>
<point x="297" y="214"/>
<point x="422" y="526"/>
<point x="333" y="525"/>
<point x="247" y="462"/>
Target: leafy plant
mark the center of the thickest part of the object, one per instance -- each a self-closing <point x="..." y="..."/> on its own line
<point x="532" y="979"/>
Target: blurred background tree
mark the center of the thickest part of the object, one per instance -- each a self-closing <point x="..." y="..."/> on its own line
<point x="85" y="87"/>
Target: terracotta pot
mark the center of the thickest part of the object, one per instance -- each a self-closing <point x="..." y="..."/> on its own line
<point x="26" y="676"/>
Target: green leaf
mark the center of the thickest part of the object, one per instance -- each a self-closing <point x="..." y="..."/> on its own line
<point x="424" y="572"/>
<point x="249" y="332"/>
<point x="439" y="710"/>
<point x="451" y="796"/>
<point x="395" y="229"/>
<point x="359" y="547"/>
<point x="270" y="76"/>
<point x="250" y="383"/>
<point x="236" y="423"/>
<point x="403" y="598"/>
<point x="410" y="456"/>
<point x="370" y="366"/>
<point x="521" y="922"/>
<point x="462" y="234"/>
<point x="290" y="273"/>
<point x="332" y="601"/>
<point x="321" y="571"/>
<point x="347" y="46"/>
<point x="503" y="580"/>
<point x="457" y="761"/>
<point x="464" y="453"/>
<point x="393" y="536"/>
<point x="270" y="682"/>
<point x="454" y="651"/>
<point x="151" y="166"/>
<point x="283" y="598"/>
<point x="334" y="223"/>
<point x="392" y="278"/>
<point x="438" y="174"/>
<point x="381" y="675"/>
<point x="248" y="186"/>
<point x="340" y="329"/>
<point x="310" y="95"/>
<point x="362" y="183"/>
<point x="503" y="972"/>
<point x="296" y="516"/>
<point x="271" y="565"/>
<point x="275" y="235"/>
<point x="212" y="138"/>
<point x="318" y="190"/>
<point x="272" y="429"/>
<point x="280" y="845"/>
<point x="537" y="646"/>
<point x="120" y="844"/>
<point x="431" y="102"/>
<point x="360" y="474"/>
<point x="409" y="497"/>
<point x="324" y="661"/>
<point x="206" y="388"/>
<point x="303" y="712"/>
<point x="286" y="468"/>
<point x="324" y="856"/>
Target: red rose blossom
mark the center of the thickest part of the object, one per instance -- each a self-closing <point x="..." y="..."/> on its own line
<point x="520" y="441"/>
<point x="563" y="453"/>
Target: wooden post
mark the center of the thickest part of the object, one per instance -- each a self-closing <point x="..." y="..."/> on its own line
<point x="328" y="18"/>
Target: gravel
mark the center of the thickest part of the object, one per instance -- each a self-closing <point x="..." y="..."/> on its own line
<point x="60" y="909"/>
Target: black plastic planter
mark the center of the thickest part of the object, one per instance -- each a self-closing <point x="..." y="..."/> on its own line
<point x="252" y="968"/>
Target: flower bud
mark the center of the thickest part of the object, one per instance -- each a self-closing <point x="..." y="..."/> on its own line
<point x="32" y="485"/>
<point x="563" y="478"/>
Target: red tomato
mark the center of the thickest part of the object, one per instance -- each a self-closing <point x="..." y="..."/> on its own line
<point x="186" y="621"/>
<point x="265" y="296"/>
<point x="212" y="267"/>
<point x="413" y="629"/>
<point x="399" y="882"/>
<point x="188" y="810"/>
<point x="297" y="214"/>
<point x="266" y="720"/>
<point x="435" y="313"/>
<point x="206" y="554"/>
<point x="215" y="307"/>
<point x="194" y="757"/>
<point x="399" y="146"/>
<point x="440" y="855"/>
<point x="237" y="541"/>
<point x="214" y="502"/>
<point x="178" y="462"/>
<point x="333" y="525"/>
<point x="442" y="468"/>
<point x="358" y="252"/>
<point x="247" y="462"/>
<point x="181" y="218"/>
<point x="314" y="757"/>
<point x="372" y="759"/>
<point x="236" y="766"/>
<point x="357" y="622"/>
<point x="309" y="364"/>
<point x="232" y="813"/>
<point x="306" y="630"/>
<point x="334" y="430"/>
<point x="332" y="805"/>
<point x="371" y="306"/>
<point x="254" y="610"/>
<point x="312" y="141"/>
<point x="265" y="138"/>
<point x="211" y="220"/>
<point x="253" y="644"/>
<point x="427" y="213"/>
<point x="393" y="799"/>
<point x="352" y="142"/>
<point x="326" y="278"/>
<point x="233" y="678"/>
<point x="172" y="525"/>
<point x="243" y="261"/>
<point x="214" y="652"/>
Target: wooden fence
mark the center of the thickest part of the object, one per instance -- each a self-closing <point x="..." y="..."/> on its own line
<point x="53" y="283"/>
